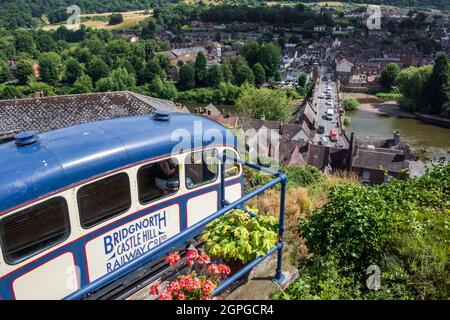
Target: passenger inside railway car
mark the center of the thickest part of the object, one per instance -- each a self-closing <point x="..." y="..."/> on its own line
<point x="158" y="179"/>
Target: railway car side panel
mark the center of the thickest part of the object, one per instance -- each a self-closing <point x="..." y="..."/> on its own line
<point x="123" y="244"/>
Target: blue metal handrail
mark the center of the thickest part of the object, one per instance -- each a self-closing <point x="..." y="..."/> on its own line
<point x="225" y="207"/>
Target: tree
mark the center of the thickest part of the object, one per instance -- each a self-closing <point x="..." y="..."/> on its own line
<point x="49" y="67"/>
<point x="244" y="74"/>
<point x="410" y="82"/>
<point x="163" y="90"/>
<point x="152" y="70"/>
<point x="267" y="103"/>
<point x="302" y="78"/>
<point x="148" y="30"/>
<point x="118" y="80"/>
<point x="5" y="73"/>
<point x="10" y="92"/>
<point x="45" y="42"/>
<point x="115" y="18"/>
<point x="187" y="77"/>
<point x="250" y="52"/>
<point x="294" y="39"/>
<point x="277" y="75"/>
<point x="24" y="41"/>
<point x="350" y="104"/>
<point x="436" y="86"/>
<point x="200" y="69"/>
<point x="388" y="76"/>
<point x="269" y="56"/>
<point x="83" y="84"/>
<point x="227" y="71"/>
<point x="96" y="68"/>
<point x="24" y="70"/>
<point x="164" y="62"/>
<point x="260" y="74"/>
<point x="214" y="77"/>
<point x="73" y="71"/>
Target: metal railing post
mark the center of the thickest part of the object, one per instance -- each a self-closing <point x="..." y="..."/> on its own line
<point x="222" y="179"/>
<point x="279" y="272"/>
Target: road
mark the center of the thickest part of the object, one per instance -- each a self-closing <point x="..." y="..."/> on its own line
<point x="319" y="101"/>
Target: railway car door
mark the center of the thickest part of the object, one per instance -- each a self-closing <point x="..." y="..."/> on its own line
<point x="201" y="170"/>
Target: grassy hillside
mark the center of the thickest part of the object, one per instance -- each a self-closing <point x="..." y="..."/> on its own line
<point x="100" y="21"/>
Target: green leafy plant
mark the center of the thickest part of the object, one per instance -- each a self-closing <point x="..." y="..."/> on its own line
<point x="402" y="226"/>
<point x="239" y="236"/>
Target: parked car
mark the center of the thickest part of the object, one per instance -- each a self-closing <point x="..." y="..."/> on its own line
<point x="320" y="129"/>
<point x="325" y="141"/>
<point x="334" y="136"/>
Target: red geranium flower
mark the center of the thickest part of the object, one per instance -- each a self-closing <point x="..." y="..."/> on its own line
<point x="191" y="254"/>
<point x="224" y="269"/>
<point x="165" y="295"/>
<point x="181" y="296"/>
<point x="204" y="259"/>
<point x="172" y="258"/>
<point x="205" y="298"/>
<point x="208" y="287"/>
<point x="213" y="268"/>
<point x="155" y="289"/>
<point x="173" y="286"/>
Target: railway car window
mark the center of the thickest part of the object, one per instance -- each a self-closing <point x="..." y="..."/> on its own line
<point x="32" y="230"/>
<point x="232" y="167"/>
<point x="104" y="199"/>
<point x="158" y="180"/>
<point x="201" y="167"/>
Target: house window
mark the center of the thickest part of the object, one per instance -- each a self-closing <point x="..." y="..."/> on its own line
<point x="104" y="199"/>
<point x="157" y="180"/>
<point x="201" y="168"/>
<point x="366" y="176"/>
<point x="35" y="229"/>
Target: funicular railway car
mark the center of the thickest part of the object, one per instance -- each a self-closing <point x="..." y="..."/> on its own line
<point x="78" y="203"/>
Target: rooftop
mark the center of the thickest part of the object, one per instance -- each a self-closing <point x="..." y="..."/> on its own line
<point x="55" y="112"/>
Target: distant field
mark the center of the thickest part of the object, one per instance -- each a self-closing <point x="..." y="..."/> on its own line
<point x="330" y="4"/>
<point x="130" y="19"/>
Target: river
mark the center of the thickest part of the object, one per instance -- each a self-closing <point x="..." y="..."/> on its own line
<point x="428" y="139"/>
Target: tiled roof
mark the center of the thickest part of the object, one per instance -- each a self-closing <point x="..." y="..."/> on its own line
<point x="374" y="159"/>
<point x="50" y="113"/>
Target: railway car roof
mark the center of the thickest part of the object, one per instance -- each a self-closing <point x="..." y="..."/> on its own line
<point x="67" y="156"/>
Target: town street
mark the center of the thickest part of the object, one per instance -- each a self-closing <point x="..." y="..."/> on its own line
<point x="319" y="101"/>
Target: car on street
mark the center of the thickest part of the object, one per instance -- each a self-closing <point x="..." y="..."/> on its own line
<point x="334" y="136"/>
<point x="320" y="129"/>
<point x="325" y="141"/>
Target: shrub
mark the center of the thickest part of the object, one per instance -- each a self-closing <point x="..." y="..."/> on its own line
<point x="389" y="96"/>
<point x="347" y="121"/>
<point x="350" y="104"/>
<point x="402" y="226"/>
<point x="239" y="236"/>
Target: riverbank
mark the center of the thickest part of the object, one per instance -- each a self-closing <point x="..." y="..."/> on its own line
<point x="373" y="104"/>
<point x="389" y="108"/>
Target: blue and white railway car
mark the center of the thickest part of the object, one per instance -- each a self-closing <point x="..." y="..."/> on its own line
<point x="79" y="202"/>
